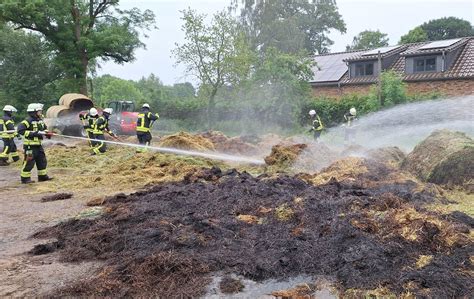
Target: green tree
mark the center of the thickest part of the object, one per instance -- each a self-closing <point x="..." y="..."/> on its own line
<point x="119" y="89"/>
<point x="415" y="35"/>
<point x="447" y="28"/>
<point x="210" y="53"/>
<point x="152" y="89"/>
<point x="81" y="31"/>
<point x="283" y="79"/>
<point x="183" y="90"/>
<point x="27" y="70"/>
<point x="368" y="39"/>
<point x="290" y="25"/>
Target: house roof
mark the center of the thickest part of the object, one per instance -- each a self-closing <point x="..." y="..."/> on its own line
<point x="462" y="68"/>
<point x="366" y="55"/>
<point x="418" y="48"/>
<point x="331" y="67"/>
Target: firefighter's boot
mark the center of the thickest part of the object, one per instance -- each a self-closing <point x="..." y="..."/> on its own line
<point x="26" y="181"/>
<point x="44" y="178"/>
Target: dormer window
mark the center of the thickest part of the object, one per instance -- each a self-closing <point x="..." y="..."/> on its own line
<point x="425" y="64"/>
<point x="364" y="69"/>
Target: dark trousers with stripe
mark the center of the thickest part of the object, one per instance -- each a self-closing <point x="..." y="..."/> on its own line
<point x="34" y="155"/>
<point x="100" y="147"/>
<point x="9" y="150"/>
<point x="144" y="138"/>
<point x="91" y="138"/>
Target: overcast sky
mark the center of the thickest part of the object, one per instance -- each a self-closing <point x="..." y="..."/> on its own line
<point x="394" y="17"/>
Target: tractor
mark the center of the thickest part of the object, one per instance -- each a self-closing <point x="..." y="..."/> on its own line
<point x="65" y="116"/>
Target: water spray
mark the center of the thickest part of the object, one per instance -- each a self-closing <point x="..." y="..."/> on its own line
<point x="167" y="150"/>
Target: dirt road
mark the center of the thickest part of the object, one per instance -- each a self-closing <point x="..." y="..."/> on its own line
<point x="22" y="214"/>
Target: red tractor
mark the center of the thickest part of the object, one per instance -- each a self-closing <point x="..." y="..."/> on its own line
<point x="124" y="120"/>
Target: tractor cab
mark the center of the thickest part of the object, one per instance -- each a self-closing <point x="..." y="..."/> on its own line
<point x="124" y="118"/>
<point x="122" y="106"/>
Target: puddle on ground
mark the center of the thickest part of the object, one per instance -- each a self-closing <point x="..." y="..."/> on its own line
<point x="264" y="289"/>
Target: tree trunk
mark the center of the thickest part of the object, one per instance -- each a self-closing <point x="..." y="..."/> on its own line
<point x="210" y="108"/>
<point x="81" y="75"/>
<point x="83" y="78"/>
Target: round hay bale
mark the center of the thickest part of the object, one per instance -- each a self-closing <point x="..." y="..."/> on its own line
<point x="57" y="111"/>
<point x="187" y="141"/>
<point x="76" y="101"/>
<point x="445" y="158"/>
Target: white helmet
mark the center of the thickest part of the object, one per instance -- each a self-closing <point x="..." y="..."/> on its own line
<point x="312" y="112"/>
<point x="93" y="112"/>
<point x="108" y="110"/>
<point x="353" y="111"/>
<point x="146" y="106"/>
<point x="34" y="107"/>
<point x="9" y="108"/>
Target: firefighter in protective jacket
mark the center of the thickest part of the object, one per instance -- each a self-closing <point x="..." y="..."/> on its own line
<point x="317" y="125"/>
<point x="144" y="124"/>
<point x="88" y="121"/>
<point x="350" y="131"/>
<point x="33" y="129"/>
<point x="101" y="125"/>
<point x="8" y="133"/>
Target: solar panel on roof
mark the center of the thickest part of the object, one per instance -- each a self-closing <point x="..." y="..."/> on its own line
<point x="440" y="44"/>
<point x="382" y="50"/>
<point x="330" y="67"/>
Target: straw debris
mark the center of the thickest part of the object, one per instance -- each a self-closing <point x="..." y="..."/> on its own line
<point x="284" y="155"/>
<point x="165" y="242"/>
<point x="186" y="141"/>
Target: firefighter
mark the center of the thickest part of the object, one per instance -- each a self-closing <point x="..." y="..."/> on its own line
<point x="88" y="120"/>
<point x="317" y="125"/>
<point x="144" y="124"/>
<point x="33" y="129"/>
<point x="101" y="125"/>
<point x="8" y="133"/>
<point x="350" y="131"/>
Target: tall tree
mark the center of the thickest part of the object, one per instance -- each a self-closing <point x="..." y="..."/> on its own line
<point x="211" y="53"/>
<point x="415" y="35"/>
<point x="368" y="39"/>
<point x="439" y="29"/>
<point x="447" y="28"/>
<point x="26" y="68"/>
<point x="81" y="31"/>
<point x="290" y="25"/>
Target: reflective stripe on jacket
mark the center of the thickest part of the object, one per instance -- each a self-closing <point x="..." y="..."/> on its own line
<point x="145" y="121"/>
<point x="349" y="119"/>
<point x="318" y="124"/>
<point x="7" y="124"/>
<point x="100" y="125"/>
<point x="30" y="128"/>
<point x="89" y="126"/>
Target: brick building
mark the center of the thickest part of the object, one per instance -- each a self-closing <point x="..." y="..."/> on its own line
<point x="446" y="67"/>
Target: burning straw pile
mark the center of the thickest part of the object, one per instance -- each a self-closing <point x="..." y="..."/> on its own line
<point x="167" y="241"/>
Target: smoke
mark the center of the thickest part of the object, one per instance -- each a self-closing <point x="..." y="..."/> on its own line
<point x="406" y="125"/>
<point x="258" y="108"/>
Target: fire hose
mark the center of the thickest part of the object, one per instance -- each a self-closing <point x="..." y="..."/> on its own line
<point x="166" y="150"/>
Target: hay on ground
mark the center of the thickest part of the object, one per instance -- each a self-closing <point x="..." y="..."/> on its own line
<point x="285" y="155"/>
<point x="187" y="141"/>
